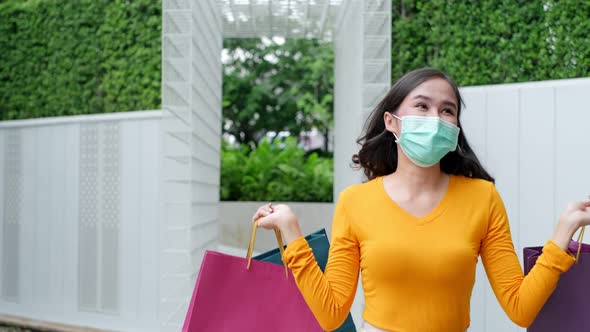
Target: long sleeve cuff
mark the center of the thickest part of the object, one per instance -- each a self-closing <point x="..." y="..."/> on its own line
<point x="556" y="258"/>
<point x="298" y="247"/>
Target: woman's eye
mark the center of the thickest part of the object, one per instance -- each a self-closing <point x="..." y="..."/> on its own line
<point x="422" y="106"/>
<point x="449" y="111"/>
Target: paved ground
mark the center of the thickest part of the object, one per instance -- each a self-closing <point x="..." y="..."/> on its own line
<point x="4" y="328"/>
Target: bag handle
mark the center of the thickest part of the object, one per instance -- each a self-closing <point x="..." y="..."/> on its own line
<point x="251" y="246"/>
<point x="580" y="237"/>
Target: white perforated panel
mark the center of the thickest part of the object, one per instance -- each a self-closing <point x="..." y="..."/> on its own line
<point x="110" y="216"/>
<point x="89" y="217"/>
<point x="99" y="217"/>
<point x="376" y="51"/>
<point x="11" y="214"/>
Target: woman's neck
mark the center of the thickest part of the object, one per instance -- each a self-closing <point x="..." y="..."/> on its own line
<point x="415" y="179"/>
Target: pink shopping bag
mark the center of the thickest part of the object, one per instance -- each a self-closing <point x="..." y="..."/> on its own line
<point x="229" y="296"/>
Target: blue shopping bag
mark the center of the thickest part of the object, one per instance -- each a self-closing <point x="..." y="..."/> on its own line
<point x="318" y="241"/>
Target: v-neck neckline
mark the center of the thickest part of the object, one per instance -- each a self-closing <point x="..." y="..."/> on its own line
<point x="430" y="216"/>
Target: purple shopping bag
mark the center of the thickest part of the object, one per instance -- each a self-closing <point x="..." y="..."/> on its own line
<point x="566" y="309"/>
<point x="236" y="294"/>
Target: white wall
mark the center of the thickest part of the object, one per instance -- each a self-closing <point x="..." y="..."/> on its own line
<point x="235" y="226"/>
<point x="533" y="138"/>
<point x="78" y="223"/>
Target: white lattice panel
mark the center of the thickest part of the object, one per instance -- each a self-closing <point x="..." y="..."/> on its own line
<point x="373" y="93"/>
<point x="176" y="4"/>
<point x="376" y="71"/>
<point x="176" y="22"/>
<point x="175" y="46"/>
<point x="175" y="93"/>
<point x="376" y="51"/>
<point x="376" y="47"/>
<point x="173" y="69"/>
<point x="288" y="18"/>
<point x="376" y="23"/>
<point x="377" y="5"/>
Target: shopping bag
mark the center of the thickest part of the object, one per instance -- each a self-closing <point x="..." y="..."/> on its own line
<point x="318" y="241"/>
<point x="566" y="309"/>
<point x="237" y="294"/>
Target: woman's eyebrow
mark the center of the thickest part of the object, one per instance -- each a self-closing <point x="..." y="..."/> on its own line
<point x="446" y="102"/>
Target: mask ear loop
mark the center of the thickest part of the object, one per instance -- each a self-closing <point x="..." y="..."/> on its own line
<point x="460" y="149"/>
<point x="394" y="134"/>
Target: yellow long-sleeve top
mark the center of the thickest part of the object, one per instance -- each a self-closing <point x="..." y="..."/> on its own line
<point x="418" y="273"/>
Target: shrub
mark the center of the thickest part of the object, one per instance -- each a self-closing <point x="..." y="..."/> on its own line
<point x="275" y="172"/>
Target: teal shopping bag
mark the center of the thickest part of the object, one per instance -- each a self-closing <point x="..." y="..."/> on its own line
<point x="320" y="246"/>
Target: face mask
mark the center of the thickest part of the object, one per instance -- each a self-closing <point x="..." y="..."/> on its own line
<point x="426" y="140"/>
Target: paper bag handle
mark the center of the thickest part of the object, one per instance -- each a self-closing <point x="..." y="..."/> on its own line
<point x="251" y="246"/>
<point x="580" y="237"/>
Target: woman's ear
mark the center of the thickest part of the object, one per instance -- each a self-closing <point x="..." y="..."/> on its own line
<point x="391" y="123"/>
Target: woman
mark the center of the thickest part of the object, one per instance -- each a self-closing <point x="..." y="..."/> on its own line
<point x="415" y="229"/>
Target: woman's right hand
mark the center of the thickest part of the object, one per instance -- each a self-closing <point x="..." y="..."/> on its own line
<point x="278" y="216"/>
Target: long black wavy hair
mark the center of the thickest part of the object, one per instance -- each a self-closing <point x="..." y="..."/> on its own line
<point x="378" y="153"/>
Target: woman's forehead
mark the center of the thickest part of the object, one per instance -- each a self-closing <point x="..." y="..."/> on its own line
<point x="435" y="89"/>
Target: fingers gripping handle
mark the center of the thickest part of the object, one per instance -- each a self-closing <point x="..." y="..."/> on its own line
<point x="251" y="246"/>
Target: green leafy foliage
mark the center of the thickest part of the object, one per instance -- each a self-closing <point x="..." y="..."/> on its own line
<point x="491" y="41"/>
<point x="62" y="57"/>
<point x="273" y="87"/>
<point x="275" y="172"/>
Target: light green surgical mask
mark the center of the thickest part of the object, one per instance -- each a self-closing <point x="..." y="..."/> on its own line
<point x="426" y="140"/>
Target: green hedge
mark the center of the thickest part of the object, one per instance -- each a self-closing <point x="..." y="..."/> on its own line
<point x="62" y="57"/>
<point x="275" y="172"/>
<point x="492" y="41"/>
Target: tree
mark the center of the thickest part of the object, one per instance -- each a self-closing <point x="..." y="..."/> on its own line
<point x="273" y="86"/>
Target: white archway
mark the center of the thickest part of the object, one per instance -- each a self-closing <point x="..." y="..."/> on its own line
<point x="192" y="39"/>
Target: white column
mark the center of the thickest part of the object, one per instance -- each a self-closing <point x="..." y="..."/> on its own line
<point x="191" y="139"/>
<point x="348" y="82"/>
<point x="362" y="78"/>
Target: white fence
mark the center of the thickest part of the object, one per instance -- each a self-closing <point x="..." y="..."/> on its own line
<point x="81" y="198"/>
<point x="533" y="138"/>
<point x="79" y="225"/>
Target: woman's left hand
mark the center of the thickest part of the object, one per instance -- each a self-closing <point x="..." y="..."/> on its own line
<point x="576" y="214"/>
